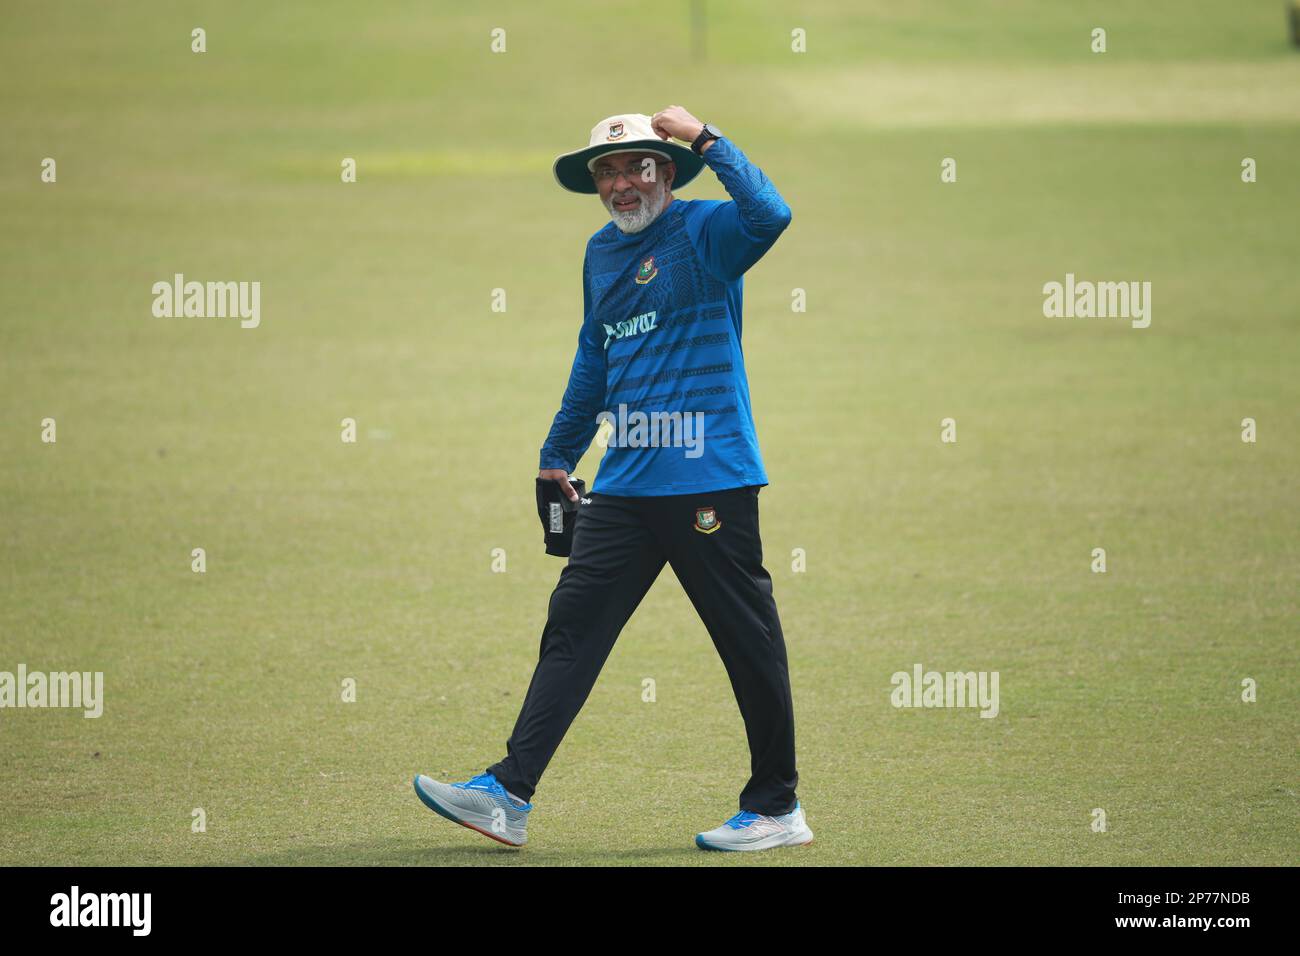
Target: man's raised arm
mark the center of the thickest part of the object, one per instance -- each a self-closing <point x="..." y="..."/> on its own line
<point x="735" y="234"/>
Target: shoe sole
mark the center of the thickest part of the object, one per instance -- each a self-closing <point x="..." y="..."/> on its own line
<point x="703" y="844"/>
<point x="448" y="814"/>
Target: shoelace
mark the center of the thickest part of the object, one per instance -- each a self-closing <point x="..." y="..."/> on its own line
<point x="483" y="781"/>
<point x="487" y="783"/>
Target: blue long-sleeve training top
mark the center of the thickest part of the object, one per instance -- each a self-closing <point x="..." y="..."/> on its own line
<point x="659" y="352"/>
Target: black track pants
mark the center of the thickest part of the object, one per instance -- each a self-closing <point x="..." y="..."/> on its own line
<point x="619" y="547"/>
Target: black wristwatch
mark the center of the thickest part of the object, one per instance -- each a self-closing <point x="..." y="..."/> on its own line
<point x="707" y="135"/>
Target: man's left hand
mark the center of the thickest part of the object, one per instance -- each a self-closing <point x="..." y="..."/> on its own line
<point x="675" y="122"/>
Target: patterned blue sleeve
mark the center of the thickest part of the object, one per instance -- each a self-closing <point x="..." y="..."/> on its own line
<point x="575" y="423"/>
<point x="736" y="234"/>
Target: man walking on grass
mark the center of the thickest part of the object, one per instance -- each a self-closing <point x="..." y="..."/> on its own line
<point x="659" y="358"/>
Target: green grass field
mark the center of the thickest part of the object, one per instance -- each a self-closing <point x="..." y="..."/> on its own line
<point x="372" y="561"/>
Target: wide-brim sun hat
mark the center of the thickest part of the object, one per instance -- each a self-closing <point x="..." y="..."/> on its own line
<point x="630" y="132"/>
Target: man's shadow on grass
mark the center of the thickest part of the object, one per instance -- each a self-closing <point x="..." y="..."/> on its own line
<point x="486" y="853"/>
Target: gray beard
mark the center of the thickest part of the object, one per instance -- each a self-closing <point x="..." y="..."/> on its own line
<point x="644" y="214"/>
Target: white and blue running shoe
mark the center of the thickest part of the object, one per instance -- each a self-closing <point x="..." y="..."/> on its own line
<point x="481" y="804"/>
<point x="754" y="831"/>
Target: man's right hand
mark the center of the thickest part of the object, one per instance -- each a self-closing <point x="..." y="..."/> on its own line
<point x="562" y="476"/>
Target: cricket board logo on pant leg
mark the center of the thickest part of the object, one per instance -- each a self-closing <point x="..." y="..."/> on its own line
<point x="706" y="520"/>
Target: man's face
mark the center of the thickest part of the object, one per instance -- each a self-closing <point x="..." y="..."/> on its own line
<point x="637" y="193"/>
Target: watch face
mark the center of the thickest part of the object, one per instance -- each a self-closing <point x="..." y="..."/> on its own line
<point x="710" y="132"/>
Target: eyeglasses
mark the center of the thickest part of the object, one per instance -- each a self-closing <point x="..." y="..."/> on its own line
<point x="644" y="169"/>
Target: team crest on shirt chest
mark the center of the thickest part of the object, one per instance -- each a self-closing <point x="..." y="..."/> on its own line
<point x="706" y="520"/>
<point x="647" y="271"/>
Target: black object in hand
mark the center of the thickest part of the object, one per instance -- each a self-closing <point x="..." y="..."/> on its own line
<point x="558" y="514"/>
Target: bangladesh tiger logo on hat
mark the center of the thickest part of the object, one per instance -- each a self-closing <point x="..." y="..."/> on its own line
<point x="615" y="131"/>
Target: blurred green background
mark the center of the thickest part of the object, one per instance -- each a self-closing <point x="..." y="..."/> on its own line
<point x="372" y="561"/>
